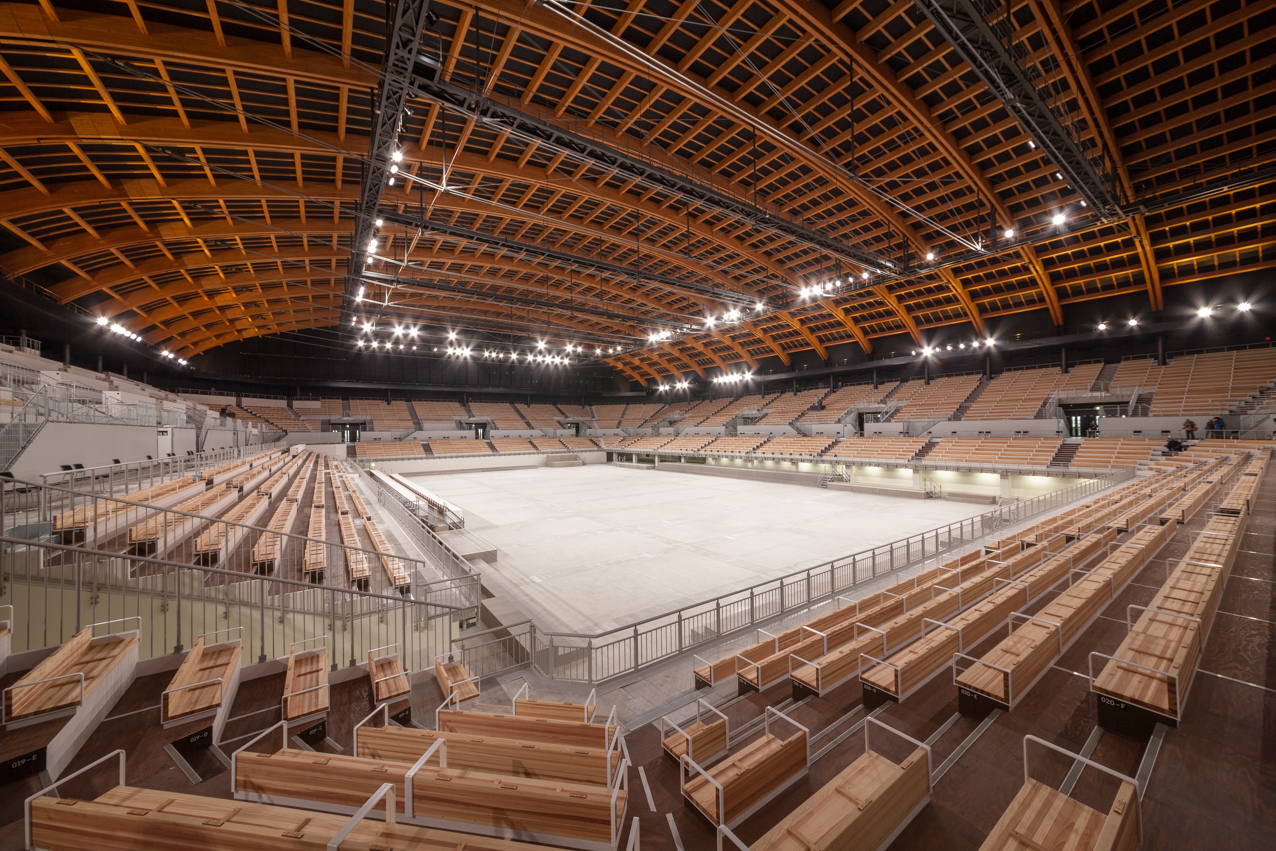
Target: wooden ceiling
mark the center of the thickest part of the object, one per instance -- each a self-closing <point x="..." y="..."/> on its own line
<point x="190" y="168"/>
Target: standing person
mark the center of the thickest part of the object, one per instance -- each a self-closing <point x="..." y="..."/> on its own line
<point x="1189" y="429"/>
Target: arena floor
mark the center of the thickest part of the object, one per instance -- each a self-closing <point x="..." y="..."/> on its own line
<point x="588" y="548"/>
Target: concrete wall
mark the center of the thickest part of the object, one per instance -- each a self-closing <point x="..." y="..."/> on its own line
<point x="184" y="440"/>
<point x="312" y="438"/>
<point x="219" y="438"/>
<point x="478" y="463"/>
<point x="999" y="428"/>
<point x="768" y="429"/>
<point x="84" y="443"/>
<point x="1157" y="427"/>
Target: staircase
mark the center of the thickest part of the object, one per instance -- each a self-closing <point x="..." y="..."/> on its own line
<point x="1142" y="405"/>
<point x="970" y="400"/>
<point x="1104" y="379"/>
<point x="925" y="450"/>
<point x="839" y="474"/>
<point x="1065" y="453"/>
<point x="1254" y="401"/>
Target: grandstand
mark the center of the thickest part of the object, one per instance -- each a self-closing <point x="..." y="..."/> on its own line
<point x="604" y="426"/>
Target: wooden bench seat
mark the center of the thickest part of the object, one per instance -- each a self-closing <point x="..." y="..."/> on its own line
<point x="515" y="757"/>
<point x="202" y="682"/>
<point x="388" y="680"/>
<point x="554" y="710"/>
<point x="306" y="684"/>
<point x="528" y="729"/>
<point x="451" y="798"/>
<point x="703" y="738"/>
<point x="132" y="819"/>
<point x="749" y="777"/>
<point x="454" y="680"/>
<point x="860" y="809"/>
<point x="82" y="654"/>
<point x="1040" y="817"/>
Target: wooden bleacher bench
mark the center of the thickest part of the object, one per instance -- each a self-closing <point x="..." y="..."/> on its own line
<point x="553" y="710"/>
<point x="530" y="729"/>
<point x="306" y="693"/>
<point x="586" y="816"/>
<point x="702" y="739"/>
<point x="455" y="682"/>
<point x="65" y="679"/>
<point x="1041" y="816"/>
<point x="863" y="808"/>
<point x="204" y="681"/>
<point x="492" y="754"/>
<point x="389" y="682"/>
<point x="741" y="783"/>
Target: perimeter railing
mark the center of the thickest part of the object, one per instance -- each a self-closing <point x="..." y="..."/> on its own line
<point x="628" y="649"/>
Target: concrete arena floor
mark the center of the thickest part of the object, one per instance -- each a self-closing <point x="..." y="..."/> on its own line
<point x="593" y="547"/>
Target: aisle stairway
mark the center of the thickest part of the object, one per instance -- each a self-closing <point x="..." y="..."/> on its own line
<point x="1065" y="453"/>
<point x="1104" y="378"/>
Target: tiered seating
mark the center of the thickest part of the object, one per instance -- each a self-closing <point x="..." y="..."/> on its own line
<point x="808" y="446"/>
<point x="1209" y="383"/>
<point x="280" y="415"/>
<point x="611" y="441"/>
<point x="1018" y="395"/>
<point x="576" y="411"/>
<point x="154" y="820"/>
<point x="636" y="415"/>
<point x="1153" y="668"/>
<point x="385" y="417"/>
<point x="840" y="401"/>
<point x="735" y="445"/>
<point x="73" y="527"/>
<point x="207" y="679"/>
<point x="609" y="415"/>
<point x="70" y="676"/>
<point x="477" y="723"/>
<point x="548" y="444"/>
<point x="269" y="549"/>
<point x="938" y="400"/>
<point x="512" y="444"/>
<point x="1022" y="451"/>
<point x="1114" y="452"/>
<point x="552" y="710"/>
<point x="649" y="444"/>
<point x="789" y="406"/>
<point x="386" y="675"/>
<point x="315" y="558"/>
<point x="432" y="411"/>
<point x="396" y="569"/>
<point x="458" y="446"/>
<point x="703" y="739"/>
<point x="329" y="409"/>
<point x="540" y="416"/>
<point x="454" y="681"/>
<point x="876" y="448"/>
<point x="733" y="409"/>
<point x="502" y="414"/>
<point x="247" y="416"/>
<point x="688" y="443"/>
<point x="357" y="567"/>
<point x="579" y="443"/>
<point x="389" y="449"/>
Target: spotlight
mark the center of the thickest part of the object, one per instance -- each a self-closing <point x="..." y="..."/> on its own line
<point x="1205" y="312"/>
<point x="412" y="332"/>
<point x="950" y="348"/>
<point x="540" y="344"/>
<point x="1031" y="144"/>
<point x="451" y="335"/>
<point x="1058" y="176"/>
<point x="708" y="322"/>
<point x="1059" y="218"/>
<point x="760" y="306"/>
<point x="394" y="169"/>
<point x="1133" y="322"/>
<point x="367" y="326"/>
<point x="102" y="320"/>
<point x="380" y="223"/>
<point x="930" y="255"/>
<point x="397" y="156"/>
<point x="1244" y="307"/>
<point x="864" y="275"/>
<point x="1103" y="326"/>
<point x="1009" y="233"/>
<point x="990" y="341"/>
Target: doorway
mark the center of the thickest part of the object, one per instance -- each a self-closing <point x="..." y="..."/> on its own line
<point x="349" y="431"/>
<point x="480" y="431"/>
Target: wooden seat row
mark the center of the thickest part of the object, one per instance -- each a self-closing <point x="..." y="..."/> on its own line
<point x="903" y="672"/>
<point x="306" y="693"/>
<point x="1149" y="675"/>
<point x="68" y="677"/>
<point x="703" y="738"/>
<point x="1006" y="673"/>
<point x="454" y="681"/>
<point x="132" y="819"/>
<point x="207" y="679"/>
<point x="268" y="552"/>
<point x="389" y="681"/>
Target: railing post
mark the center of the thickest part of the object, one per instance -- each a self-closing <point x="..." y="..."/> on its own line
<point x="177" y="580"/>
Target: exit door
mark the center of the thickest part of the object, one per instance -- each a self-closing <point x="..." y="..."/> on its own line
<point x="480" y="432"/>
<point x="164" y="445"/>
<point x="349" y="432"/>
<point x="1082" y="425"/>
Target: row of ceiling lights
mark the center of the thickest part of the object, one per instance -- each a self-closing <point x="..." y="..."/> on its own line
<point x="116" y="328"/>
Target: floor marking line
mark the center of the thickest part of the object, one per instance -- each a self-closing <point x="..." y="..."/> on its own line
<point x="964" y="746"/>
<point x="1074" y="773"/>
<point x="642" y="775"/>
<point x="943" y="728"/>
<point x="1146" y="765"/>
<point x="134" y="712"/>
<point x="1233" y="679"/>
<point x="1069" y="671"/>
<point x="673" y="828"/>
<point x="1247" y="617"/>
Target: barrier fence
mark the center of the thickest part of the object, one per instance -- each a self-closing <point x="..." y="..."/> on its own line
<point x="596" y="658"/>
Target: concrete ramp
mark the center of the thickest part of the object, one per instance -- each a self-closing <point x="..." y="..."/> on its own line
<point x="468" y="545"/>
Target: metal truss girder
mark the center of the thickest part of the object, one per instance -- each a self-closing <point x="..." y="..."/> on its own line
<point x="402" y="45"/>
<point x="984" y="38"/>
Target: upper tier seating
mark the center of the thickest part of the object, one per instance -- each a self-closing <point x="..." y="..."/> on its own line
<point x="688" y="443"/>
<point x="277" y="412"/>
<point x="576" y="411"/>
<point x="1200" y="384"/>
<point x="457" y="446"/>
<point x="609" y="415"/>
<point x="733" y="409"/>
<point x="837" y="403"/>
<point x="649" y="444"/>
<point x="385" y="417"/>
<point x="579" y="443"/>
<point x="636" y="415"/>
<point x="329" y="409"/>
<point x="786" y="407"/>
<point x="430" y="411"/>
<point x="938" y="400"/>
<point x="877" y="448"/>
<point x="388" y="449"/>
<point x="1113" y="452"/>
<point x="1023" y="452"/>
<point x="249" y="417"/>
<point x="540" y="416"/>
<point x="810" y="446"/>
<point x="512" y="444"/>
<point x="548" y="444"/>
<point x="1019" y="395"/>
<point x="736" y="445"/>
<point x="502" y="414"/>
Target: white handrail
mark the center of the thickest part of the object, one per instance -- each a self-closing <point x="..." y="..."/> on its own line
<point x="386" y="791"/>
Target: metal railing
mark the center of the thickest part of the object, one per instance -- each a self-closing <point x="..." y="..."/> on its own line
<point x="121" y="479"/>
<point x="578" y="657"/>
